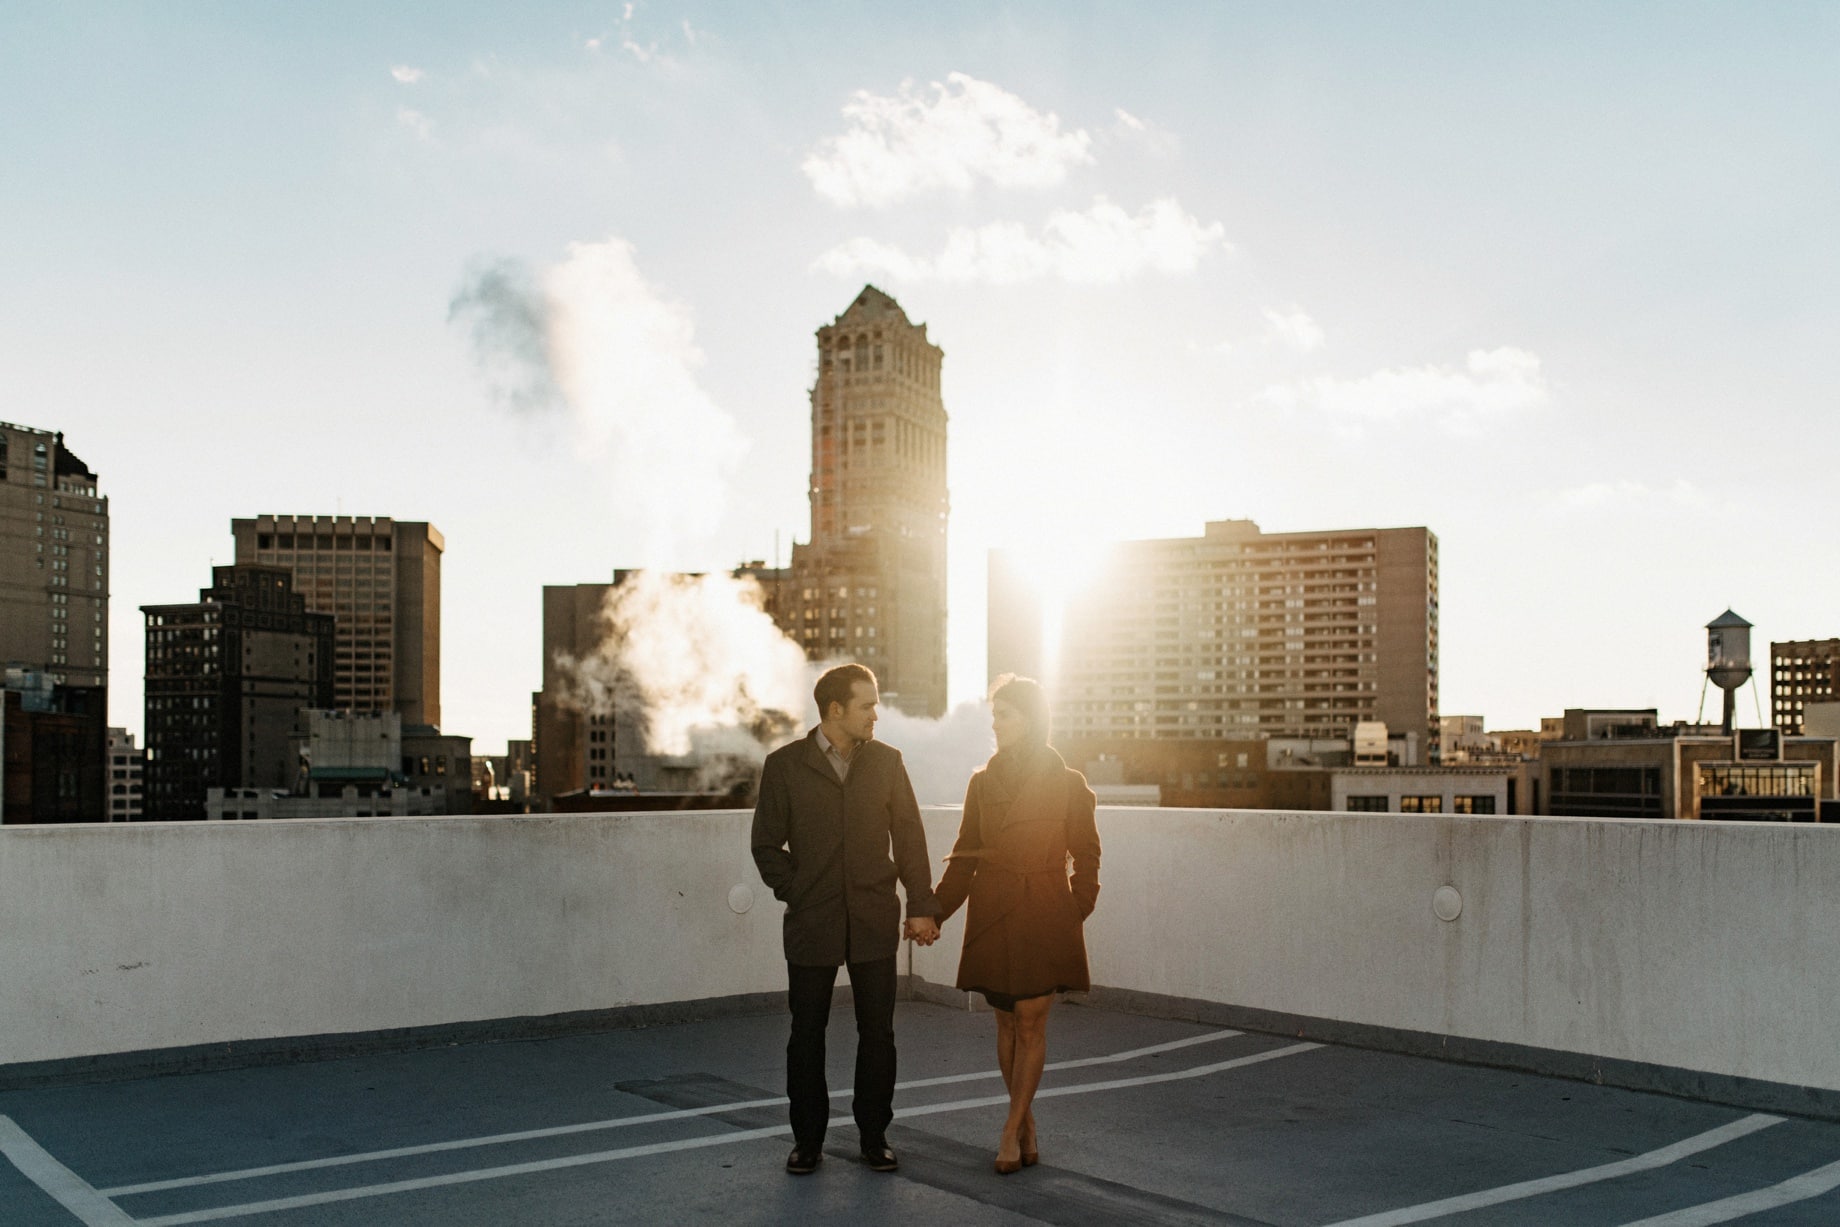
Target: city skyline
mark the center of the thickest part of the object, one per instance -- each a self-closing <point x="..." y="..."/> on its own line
<point x="1548" y="284"/>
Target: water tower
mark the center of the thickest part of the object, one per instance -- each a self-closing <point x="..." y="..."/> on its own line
<point x="1728" y="659"/>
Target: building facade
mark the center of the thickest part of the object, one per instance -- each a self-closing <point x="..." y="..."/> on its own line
<point x="1625" y="764"/>
<point x="54" y="560"/>
<point x="54" y="745"/>
<point x="1501" y="789"/>
<point x="359" y="765"/>
<point x="1235" y="634"/>
<point x="870" y="585"/>
<point x="225" y="677"/>
<point x="126" y="771"/>
<point x="1197" y="773"/>
<point x="380" y="580"/>
<point x="1802" y="671"/>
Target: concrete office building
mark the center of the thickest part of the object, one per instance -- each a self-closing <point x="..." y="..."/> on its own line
<point x="1236" y="634"/>
<point x="380" y="579"/>
<point x="1197" y="773"/>
<point x="1626" y="764"/>
<point x="1496" y="789"/>
<point x="359" y="765"/>
<point x="1802" y="671"/>
<point x="870" y="585"/>
<point x="54" y="560"/>
<point x="126" y="772"/>
<point x="54" y="745"/>
<point x="225" y="677"/>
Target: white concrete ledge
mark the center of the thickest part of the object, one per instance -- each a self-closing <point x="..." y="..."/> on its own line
<point x="1704" y="947"/>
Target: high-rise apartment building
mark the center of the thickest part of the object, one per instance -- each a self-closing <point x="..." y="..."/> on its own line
<point x="225" y="677"/>
<point x="126" y="773"/>
<point x="1237" y="633"/>
<point x="54" y="560"/>
<point x="380" y="579"/>
<point x="1802" y="671"/>
<point x="870" y="586"/>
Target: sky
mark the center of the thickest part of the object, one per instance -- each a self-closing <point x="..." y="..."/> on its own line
<point x="1556" y="281"/>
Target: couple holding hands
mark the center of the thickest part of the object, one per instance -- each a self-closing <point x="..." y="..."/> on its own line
<point x="836" y="825"/>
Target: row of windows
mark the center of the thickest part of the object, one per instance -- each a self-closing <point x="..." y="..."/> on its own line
<point x="1775" y="780"/>
<point x="1379" y="803"/>
<point x="330" y="542"/>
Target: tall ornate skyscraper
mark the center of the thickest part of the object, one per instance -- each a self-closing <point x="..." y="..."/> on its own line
<point x="871" y="584"/>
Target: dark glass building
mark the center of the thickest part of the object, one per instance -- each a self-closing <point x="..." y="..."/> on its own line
<point x="225" y="676"/>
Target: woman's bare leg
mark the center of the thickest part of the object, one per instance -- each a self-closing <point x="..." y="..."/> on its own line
<point x="1023" y="1077"/>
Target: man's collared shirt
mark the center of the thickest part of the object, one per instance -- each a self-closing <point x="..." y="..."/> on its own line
<point x="839" y="763"/>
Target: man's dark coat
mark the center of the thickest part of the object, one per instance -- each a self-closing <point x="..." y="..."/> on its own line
<point x="823" y="845"/>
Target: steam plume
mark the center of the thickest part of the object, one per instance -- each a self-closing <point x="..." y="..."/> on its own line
<point x="696" y="663"/>
<point x="589" y="340"/>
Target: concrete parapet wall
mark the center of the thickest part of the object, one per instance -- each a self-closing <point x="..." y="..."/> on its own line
<point x="1704" y="946"/>
<point x="123" y="938"/>
<point x="1700" y="946"/>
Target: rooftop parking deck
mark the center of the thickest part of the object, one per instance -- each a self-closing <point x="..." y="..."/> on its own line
<point x="1267" y="988"/>
<point x="1142" y="1120"/>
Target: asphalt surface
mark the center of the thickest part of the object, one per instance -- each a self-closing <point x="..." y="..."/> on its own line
<point x="1155" y="1121"/>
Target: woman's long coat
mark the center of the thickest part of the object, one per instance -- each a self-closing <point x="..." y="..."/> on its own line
<point x="1023" y="930"/>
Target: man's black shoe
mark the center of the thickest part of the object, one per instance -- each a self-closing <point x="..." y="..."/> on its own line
<point x="879" y="1157"/>
<point x="804" y="1160"/>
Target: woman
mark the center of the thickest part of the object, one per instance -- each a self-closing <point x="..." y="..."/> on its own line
<point x="1026" y="814"/>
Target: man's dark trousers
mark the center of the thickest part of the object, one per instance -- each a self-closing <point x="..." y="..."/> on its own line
<point x="808" y="992"/>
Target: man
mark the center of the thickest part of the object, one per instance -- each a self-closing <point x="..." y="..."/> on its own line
<point x="832" y="806"/>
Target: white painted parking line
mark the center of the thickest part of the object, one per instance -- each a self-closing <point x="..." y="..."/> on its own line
<point x="69" y="1189"/>
<point x="1796" y="1188"/>
<point x="658" y="1148"/>
<point x="1110" y="1058"/>
<point x="1647" y="1161"/>
<point x="620" y="1122"/>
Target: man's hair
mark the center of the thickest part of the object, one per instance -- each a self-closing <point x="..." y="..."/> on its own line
<point x="1026" y="696"/>
<point x="839" y="686"/>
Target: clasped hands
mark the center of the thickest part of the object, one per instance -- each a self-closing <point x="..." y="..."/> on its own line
<point x="921" y="929"/>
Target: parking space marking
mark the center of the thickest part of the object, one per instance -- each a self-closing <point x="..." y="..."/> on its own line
<point x="658" y="1148"/>
<point x="1796" y="1188"/>
<point x="1647" y="1161"/>
<point x="620" y="1122"/>
<point x="1110" y="1058"/>
<point x="69" y="1189"/>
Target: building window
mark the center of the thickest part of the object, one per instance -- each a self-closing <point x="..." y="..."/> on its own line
<point x="1367" y="804"/>
<point x="1473" y="805"/>
<point x="1421" y="805"/>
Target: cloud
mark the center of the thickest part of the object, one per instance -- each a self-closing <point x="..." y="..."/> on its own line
<point x="1098" y="245"/>
<point x="1491" y="383"/>
<point x="407" y="75"/>
<point x="947" y="138"/>
<point x="1295" y="329"/>
<point x="589" y="340"/>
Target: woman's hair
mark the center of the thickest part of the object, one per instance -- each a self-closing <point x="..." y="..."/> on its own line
<point x="1026" y="696"/>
